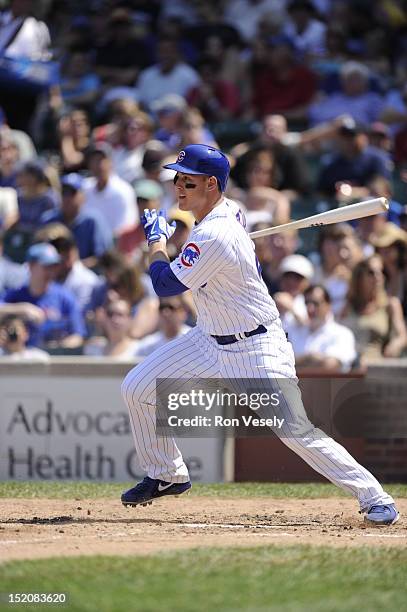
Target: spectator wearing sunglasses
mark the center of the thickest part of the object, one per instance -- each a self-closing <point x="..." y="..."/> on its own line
<point x="321" y="342"/>
<point x="116" y="342"/>
<point x="173" y="313"/>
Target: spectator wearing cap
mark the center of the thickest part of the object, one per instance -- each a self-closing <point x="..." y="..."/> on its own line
<point x="305" y="32"/>
<point x="280" y="83"/>
<point x="71" y="273"/>
<point x="391" y="244"/>
<point x="295" y="273"/>
<point x="35" y="196"/>
<point x="354" y="99"/>
<point x="92" y="234"/>
<point x="54" y="318"/>
<point x="173" y="312"/>
<point x="375" y="318"/>
<point x="321" y="342"/>
<point x="107" y="193"/>
<point x="134" y="134"/>
<point x="148" y="194"/>
<point x="119" y="60"/>
<point x="169" y="76"/>
<point x="354" y="162"/>
<point x="169" y="111"/>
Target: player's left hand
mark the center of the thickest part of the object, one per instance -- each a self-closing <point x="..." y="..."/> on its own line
<point x="156" y="226"/>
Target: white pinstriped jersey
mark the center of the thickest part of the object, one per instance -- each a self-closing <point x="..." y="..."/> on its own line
<point x="218" y="263"/>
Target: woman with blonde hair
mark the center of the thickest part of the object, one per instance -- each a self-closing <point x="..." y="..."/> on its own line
<point x="375" y="318"/>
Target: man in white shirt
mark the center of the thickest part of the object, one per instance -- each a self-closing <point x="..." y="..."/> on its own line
<point x="21" y="35"/>
<point x="107" y="193"/>
<point x="169" y="76"/>
<point x="295" y="276"/>
<point x="72" y="273"/>
<point x="245" y="15"/>
<point x="322" y="343"/>
<point x="173" y="314"/>
<point x="304" y="31"/>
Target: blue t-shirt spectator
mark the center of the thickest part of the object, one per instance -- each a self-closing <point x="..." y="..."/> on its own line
<point x="12" y="275"/>
<point x="63" y="316"/>
<point x="72" y="89"/>
<point x="31" y="209"/>
<point x="365" y="108"/>
<point x="92" y="234"/>
<point x="358" y="170"/>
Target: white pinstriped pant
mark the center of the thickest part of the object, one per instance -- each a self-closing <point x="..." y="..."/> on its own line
<point x="268" y="356"/>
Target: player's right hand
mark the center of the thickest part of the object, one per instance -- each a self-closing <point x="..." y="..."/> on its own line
<point x="156" y="226"/>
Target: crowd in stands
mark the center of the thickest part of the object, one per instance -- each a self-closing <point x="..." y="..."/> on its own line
<point x="308" y="98"/>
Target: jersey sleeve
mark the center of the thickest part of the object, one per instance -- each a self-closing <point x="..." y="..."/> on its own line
<point x="202" y="258"/>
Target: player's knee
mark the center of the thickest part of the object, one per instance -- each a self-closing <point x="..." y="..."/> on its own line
<point x="132" y="387"/>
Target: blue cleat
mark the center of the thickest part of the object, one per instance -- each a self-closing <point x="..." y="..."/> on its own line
<point x="149" y="489"/>
<point x="382" y="515"/>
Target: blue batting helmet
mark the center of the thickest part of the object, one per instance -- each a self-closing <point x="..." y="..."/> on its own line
<point x="203" y="159"/>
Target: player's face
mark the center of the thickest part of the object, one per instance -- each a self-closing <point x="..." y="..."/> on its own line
<point x="192" y="191"/>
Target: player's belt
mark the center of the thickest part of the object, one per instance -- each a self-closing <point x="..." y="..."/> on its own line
<point x="240" y="336"/>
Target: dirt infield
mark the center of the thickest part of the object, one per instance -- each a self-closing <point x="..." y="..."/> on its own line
<point x="43" y="528"/>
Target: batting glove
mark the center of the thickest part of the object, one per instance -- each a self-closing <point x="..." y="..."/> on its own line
<point x="155" y="226"/>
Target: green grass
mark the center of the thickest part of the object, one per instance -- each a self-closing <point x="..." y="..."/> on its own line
<point x="88" y="490"/>
<point x="269" y="579"/>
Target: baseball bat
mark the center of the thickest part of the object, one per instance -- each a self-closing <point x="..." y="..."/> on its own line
<point x="337" y="215"/>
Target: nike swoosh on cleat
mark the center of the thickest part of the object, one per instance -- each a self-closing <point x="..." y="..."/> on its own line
<point x="163" y="487"/>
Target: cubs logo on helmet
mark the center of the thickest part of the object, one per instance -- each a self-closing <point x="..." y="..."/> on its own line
<point x="181" y="156"/>
<point x="190" y="255"/>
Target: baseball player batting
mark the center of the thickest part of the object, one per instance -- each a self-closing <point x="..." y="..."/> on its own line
<point x="238" y="334"/>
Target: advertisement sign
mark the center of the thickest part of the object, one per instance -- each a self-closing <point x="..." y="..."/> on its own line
<point x="77" y="428"/>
